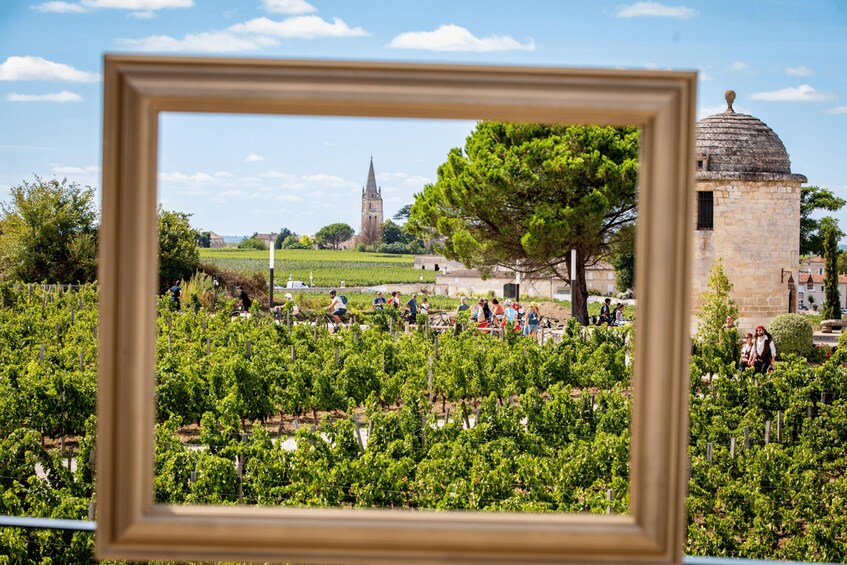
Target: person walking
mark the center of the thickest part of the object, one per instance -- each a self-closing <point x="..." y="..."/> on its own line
<point x="533" y="320"/>
<point x="510" y="315"/>
<point x="606" y="312"/>
<point x="412" y="305"/>
<point x="176" y="296"/>
<point x="764" y="351"/>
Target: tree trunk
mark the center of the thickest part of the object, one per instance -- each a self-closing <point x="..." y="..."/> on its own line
<point x="579" y="291"/>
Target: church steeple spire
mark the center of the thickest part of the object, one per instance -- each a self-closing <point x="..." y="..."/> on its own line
<point x="371" y="188"/>
<point x="371" y="209"/>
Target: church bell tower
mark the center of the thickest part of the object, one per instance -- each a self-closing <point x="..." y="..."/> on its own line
<point x="371" y="229"/>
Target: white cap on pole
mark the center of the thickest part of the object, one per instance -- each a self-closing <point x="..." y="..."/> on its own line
<point x="573" y="268"/>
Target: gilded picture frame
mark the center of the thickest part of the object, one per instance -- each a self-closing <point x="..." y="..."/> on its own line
<point x="138" y="88"/>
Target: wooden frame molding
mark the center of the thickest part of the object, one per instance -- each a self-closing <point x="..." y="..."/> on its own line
<point x="137" y="88"/>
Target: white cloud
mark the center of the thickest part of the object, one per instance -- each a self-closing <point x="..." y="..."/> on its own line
<point x="248" y="36"/>
<point x="800" y="71"/>
<point x="299" y="27"/>
<point x="142" y="9"/>
<point x="207" y="42"/>
<point x="802" y="93"/>
<point x="252" y="157"/>
<point x="451" y="37"/>
<point x="655" y="9"/>
<point x="60" y="7"/>
<point x="192" y="192"/>
<point x="142" y="5"/>
<point x="288" y="7"/>
<point x="63" y="96"/>
<point x="36" y="68"/>
<point x="182" y="177"/>
<point x="739" y="66"/>
<point x="71" y="170"/>
<point x="321" y="178"/>
<point x="404" y="178"/>
<point x="288" y="198"/>
<point x="837" y="110"/>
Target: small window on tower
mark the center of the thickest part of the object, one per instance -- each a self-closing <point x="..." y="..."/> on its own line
<point x="705" y="210"/>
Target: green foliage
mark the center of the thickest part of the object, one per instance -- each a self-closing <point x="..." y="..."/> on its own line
<point x="178" y="255"/>
<point x="622" y="257"/>
<point x="48" y="233"/>
<point x="252" y="243"/>
<point x="792" y="333"/>
<point x="814" y="198"/>
<point x="403" y="213"/>
<point x="716" y="304"/>
<point x="528" y="193"/>
<point x="831" y="236"/>
<point x="397" y="239"/>
<point x="284" y="235"/>
<point x="322" y="267"/>
<point x="540" y="428"/>
<point x="333" y="235"/>
<point x="201" y="290"/>
<point x="291" y="242"/>
<point x="204" y="239"/>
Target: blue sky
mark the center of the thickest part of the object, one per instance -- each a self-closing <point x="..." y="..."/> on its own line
<point x="787" y="60"/>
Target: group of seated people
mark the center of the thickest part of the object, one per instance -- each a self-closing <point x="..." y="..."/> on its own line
<point x="610" y="316"/>
<point x="508" y="314"/>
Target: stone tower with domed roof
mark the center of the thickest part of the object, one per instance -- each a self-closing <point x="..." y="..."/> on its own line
<point x="747" y="213"/>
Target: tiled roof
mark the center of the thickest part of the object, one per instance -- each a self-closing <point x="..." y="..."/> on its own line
<point x="806" y="278"/>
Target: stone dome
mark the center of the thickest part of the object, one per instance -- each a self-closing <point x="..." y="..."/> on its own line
<point x="733" y="145"/>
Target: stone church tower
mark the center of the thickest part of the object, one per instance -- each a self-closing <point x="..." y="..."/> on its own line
<point x="747" y="214"/>
<point x="371" y="229"/>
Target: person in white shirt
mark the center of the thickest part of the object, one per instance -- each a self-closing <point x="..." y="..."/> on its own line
<point x="764" y="351"/>
<point x="336" y="307"/>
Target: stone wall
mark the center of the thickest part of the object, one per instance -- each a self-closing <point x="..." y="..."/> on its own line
<point x="756" y="234"/>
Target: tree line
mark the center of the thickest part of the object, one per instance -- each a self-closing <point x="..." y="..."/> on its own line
<point x="519" y="196"/>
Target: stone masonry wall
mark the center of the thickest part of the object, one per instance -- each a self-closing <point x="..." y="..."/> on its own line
<point x="756" y="234"/>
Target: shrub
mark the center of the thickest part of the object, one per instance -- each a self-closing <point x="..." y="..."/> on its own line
<point x="842" y="340"/>
<point x="252" y="243"/>
<point x="792" y="333"/>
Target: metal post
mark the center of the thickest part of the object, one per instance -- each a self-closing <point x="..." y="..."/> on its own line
<point x="271" y="276"/>
<point x="573" y="282"/>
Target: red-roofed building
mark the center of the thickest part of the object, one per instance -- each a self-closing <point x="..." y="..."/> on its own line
<point x="812" y="293"/>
